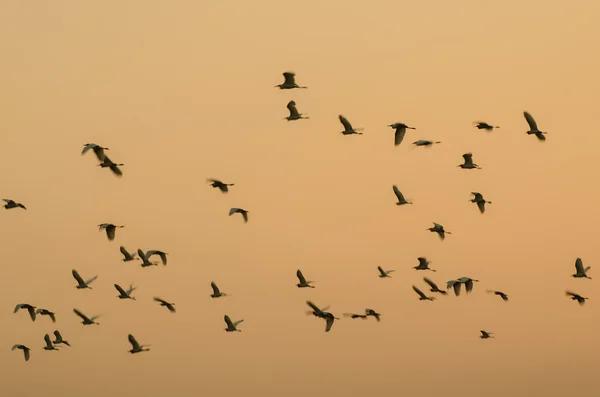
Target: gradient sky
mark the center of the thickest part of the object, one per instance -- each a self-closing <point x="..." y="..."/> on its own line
<point x="181" y="91"/>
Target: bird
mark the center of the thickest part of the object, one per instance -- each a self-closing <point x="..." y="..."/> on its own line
<point x="86" y="320"/>
<point x="80" y="283"/>
<point x="581" y="272"/>
<point x="468" y="282"/>
<point x="216" y="291"/>
<point x="135" y="346"/>
<point x="110" y="230"/>
<point x="45" y="312"/>
<point x="49" y="345"/>
<point x="58" y="339"/>
<point x="125" y="294"/>
<point x="455" y="284"/>
<point x="294" y="115"/>
<point x="533" y="128"/>
<point x="422" y="296"/>
<point x="485" y="334"/>
<point x="480" y="201"/>
<point x="500" y="294"/>
<point x="484" y="126"/>
<point x="170" y="306"/>
<point x="241" y="211"/>
<point x="289" y="82"/>
<point x="468" y="163"/>
<point x="434" y="287"/>
<point x="384" y="273"/>
<point x="424" y="142"/>
<point x="576" y="297"/>
<point x="400" y="131"/>
<point x="400" y="196"/>
<point x="98" y="150"/>
<point x="12" y="204"/>
<point x="223" y="187"/>
<point x="127" y="256"/>
<point x="303" y="283"/>
<point x="28" y="307"/>
<point x="423" y="264"/>
<point x="25" y="350"/>
<point x="354" y="315"/>
<point x="231" y="326"/>
<point x="114" y="167"/>
<point x="373" y="313"/>
<point x="163" y="255"/>
<point x="145" y="261"/>
<point x="439" y="229"/>
<point x="316" y="311"/>
<point x="348" y="129"/>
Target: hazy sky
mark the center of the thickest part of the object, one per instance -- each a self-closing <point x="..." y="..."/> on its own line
<point x="181" y="91"/>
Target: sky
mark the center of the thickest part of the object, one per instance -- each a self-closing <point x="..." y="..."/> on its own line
<point x="184" y="91"/>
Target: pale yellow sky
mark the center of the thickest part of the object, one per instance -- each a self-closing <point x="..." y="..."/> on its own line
<point x="181" y="91"/>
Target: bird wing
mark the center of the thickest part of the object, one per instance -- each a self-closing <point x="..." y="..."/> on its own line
<point x="134" y="343"/>
<point x="125" y="253"/>
<point x="579" y="266"/>
<point x="86" y="148"/>
<point x="131" y="289"/>
<point x="99" y="152"/>
<point x="163" y="256"/>
<point x="481" y="206"/>
<point x="398" y="194"/>
<point x="399" y="135"/>
<point x="142" y="255"/>
<point x="245" y="215"/>
<point x="80" y="314"/>
<point x="468" y="158"/>
<point x="17" y="308"/>
<point x="530" y="121"/>
<point x="329" y="323"/>
<point x="300" y="277"/>
<point x="431" y="283"/>
<point x="238" y="322"/>
<point x="160" y="300"/>
<point x="95" y="317"/>
<point x="313" y="306"/>
<point x="437" y="225"/>
<point x="48" y="341"/>
<point x="26" y="353"/>
<point x="77" y="277"/>
<point x="228" y="321"/>
<point x="423" y="261"/>
<point x="121" y="290"/>
<point x="478" y="196"/>
<point x="58" y="336"/>
<point x="233" y="211"/>
<point x="218" y="182"/>
<point x="569" y="293"/>
<point x="540" y="136"/>
<point x="469" y="285"/>
<point x="31" y="311"/>
<point x="381" y="270"/>
<point x="289" y="78"/>
<point x="456" y="287"/>
<point x="15" y="347"/>
<point x="215" y="288"/>
<point x="345" y="123"/>
<point x="418" y="291"/>
<point x="110" y="232"/>
<point x="292" y="108"/>
<point x="91" y="280"/>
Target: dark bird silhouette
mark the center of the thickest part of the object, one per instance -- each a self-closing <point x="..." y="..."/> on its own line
<point x="485" y="334"/>
<point x="98" y="150"/>
<point x="576" y="297"/>
<point x="423" y="264"/>
<point x="223" y="187"/>
<point x="384" y="273"/>
<point x="49" y="345"/>
<point x="348" y="129"/>
<point x="114" y="167"/>
<point x="241" y="211"/>
<point x="25" y="349"/>
<point x="422" y="296"/>
<point x="400" y="196"/>
<point x="468" y="163"/>
<point x="231" y="326"/>
<point x="400" y="131"/>
<point x="170" y="306"/>
<point x="45" y="312"/>
<point x="289" y="81"/>
<point x="86" y="320"/>
<point x="484" y="126"/>
<point x="12" y="204"/>
<point x="126" y="255"/>
<point x="110" y="230"/>
<point x="480" y="201"/>
<point x="294" y="115"/>
<point x="163" y="255"/>
<point x="28" y="307"/>
<point x="439" y="229"/>
<point x="135" y="346"/>
<point x="425" y="142"/>
<point x="216" y="292"/>
<point x="80" y="283"/>
<point x="533" y="128"/>
<point x="581" y="272"/>
<point x="373" y="313"/>
<point x="500" y="294"/>
<point x="302" y="281"/>
<point x="354" y="315"/>
<point x="434" y="287"/>
<point x="125" y="294"/>
<point x="58" y="339"/>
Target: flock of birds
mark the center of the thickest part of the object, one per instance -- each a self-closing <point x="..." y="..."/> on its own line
<point x="322" y="313"/>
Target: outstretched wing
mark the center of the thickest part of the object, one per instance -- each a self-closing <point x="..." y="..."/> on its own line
<point x="160" y="300"/>
<point x="228" y="321"/>
<point x="398" y="194"/>
<point x="468" y="158"/>
<point x="418" y="291"/>
<point x="58" y="336"/>
<point x="289" y="78"/>
<point x="313" y="306"/>
<point x="77" y="277"/>
<point x="329" y="324"/>
<point x="233" y="211"/>
<point x="215" y="288"/>
<point x="87" y="147"/>
<point x="579" y="266"/>
<point x="399" y="135"/>
<point x="134" y="343"/>
<point x="121" y="290"/>
<point x="163" y="256"/>
<point x="238" y="323"/>
<point x="345" y="123"/>
<point x="530" y="121"/>
<point x="245" y="215"/>
<point x="292" y="108"/>
<point x="125" y="253"/>
<point x="481" y="206"/>
<point x="142" y="255"/>
<point x="80" y="314"/>
<point x="91" y="280"/>
<point x="300" y="277"/>
<point x="431" y="283"/>
<point x="478" y="196"/>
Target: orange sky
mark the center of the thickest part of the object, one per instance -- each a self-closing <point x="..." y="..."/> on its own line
<point x="181" y="91"/>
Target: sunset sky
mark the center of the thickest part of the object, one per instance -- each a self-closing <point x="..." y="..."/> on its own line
<point x="181" y="91"/>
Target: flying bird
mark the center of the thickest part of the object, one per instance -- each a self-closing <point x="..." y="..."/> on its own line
<point x="28" y="307"/>
<point x="12" y="204"/>
<point x="422" y="296"/>
<point x="45" y="312"/>
<point x="348" y="129"/>
<point x="468" y="282"/>
<point x="110" y="230"/>
<point x="424" y="142"/>
<point x="294" y="115"/>
<point x="434" y="287"/>
<point x="302" y="281"/>
<point x="576" y="297"/>
<point x="163" y="255"/>
<point x="98" y="150"/>
<point x="86" y="320"/>
<point x="223" y="187"/>
<point x="580" y="271"/>
<point x="354" y="315"/>
<point x="316" y="311"/>
<point x="484" y="126"/>
<point x="135" y="346"/>
<point x="125" y="294"/>
<point x="485" y="334"/>
<point x="400" y="196"/>
<point x="216" y="292"/>
<point x="439" y="229"/>
<point x="145" y="261"/>
<point x="480" y="201"/>
<point x="170" y="306"/>
<point x="423" y="264"/>
<point x="58" y="339"/>
<point x="373" y="313"/>
<point x="126" y="255"/>
<point x="25" y="350"/>
<point x="384" y="273"/>
<point x="80" y="283"/>
<point x="533" y="128"/>
<point x="231" y="326"/>
<point x="241" y="211"/>
<point x="114" y="167"/>
<point x="400" y="131"/>
<point x="289" y="82"/>
<point x="49" y="345"/>
<point x="500" y="294"/>
<point x="468" y="163"/>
